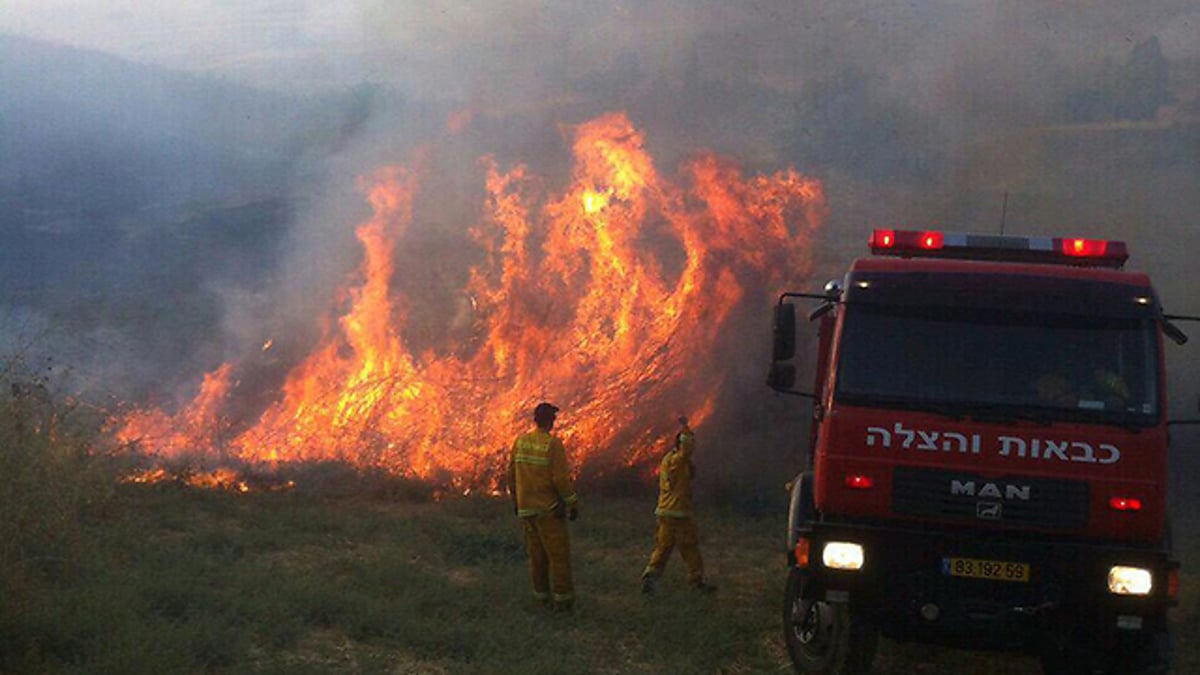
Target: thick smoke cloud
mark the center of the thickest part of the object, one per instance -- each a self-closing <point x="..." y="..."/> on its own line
<point x="196" y="197"/>
<point x="517" y="49"/>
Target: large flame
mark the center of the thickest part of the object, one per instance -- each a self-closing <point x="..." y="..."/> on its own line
<point x="610" y="299"/>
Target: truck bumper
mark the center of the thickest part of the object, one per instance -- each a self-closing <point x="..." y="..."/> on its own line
<point x="906" y="588"/>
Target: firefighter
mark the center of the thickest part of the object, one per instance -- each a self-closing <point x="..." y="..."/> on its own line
<point x="676" y="523"/>
<point x="1081" y="378"/>
<point x="544" y="498"/>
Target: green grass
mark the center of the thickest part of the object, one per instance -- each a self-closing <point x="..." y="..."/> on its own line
<point x="182" y="580"/>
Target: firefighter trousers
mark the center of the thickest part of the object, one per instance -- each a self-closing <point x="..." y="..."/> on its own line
<point x="672" y="532"/>
<point x="549" y="548"/>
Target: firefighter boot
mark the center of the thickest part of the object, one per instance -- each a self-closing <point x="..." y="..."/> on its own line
<point x="649" y="584"/>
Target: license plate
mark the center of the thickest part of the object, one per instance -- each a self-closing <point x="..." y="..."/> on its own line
<point x="996" y="570"/>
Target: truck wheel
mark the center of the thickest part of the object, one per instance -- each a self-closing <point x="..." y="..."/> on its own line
<point x="825" y="638"/>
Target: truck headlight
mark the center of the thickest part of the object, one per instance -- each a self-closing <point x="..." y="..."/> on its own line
<point x="842" y="555"/>
<point x="1129" y="580"/>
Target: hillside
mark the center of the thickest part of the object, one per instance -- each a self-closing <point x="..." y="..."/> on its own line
<point x="129" y="194"/>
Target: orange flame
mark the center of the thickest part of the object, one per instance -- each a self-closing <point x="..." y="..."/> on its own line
<point x="221" y="478"/>
<point x="610" y="300"/>
<point x="197" y="427"/>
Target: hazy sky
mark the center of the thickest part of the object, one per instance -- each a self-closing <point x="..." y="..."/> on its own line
<point x="956" y="79"/>
<point x="456" y="48"/>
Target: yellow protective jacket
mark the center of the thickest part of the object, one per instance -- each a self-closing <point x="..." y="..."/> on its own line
<point x="538" y="474"/>
<point x="675" y="479"/>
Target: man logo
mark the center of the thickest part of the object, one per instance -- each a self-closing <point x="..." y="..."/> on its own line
<point x="970" y="488"/>
<point x="989" y="510"/>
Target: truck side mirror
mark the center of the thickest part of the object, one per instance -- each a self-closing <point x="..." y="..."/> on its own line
<point x="784" y="330"/>
<point x="781" y="377"/>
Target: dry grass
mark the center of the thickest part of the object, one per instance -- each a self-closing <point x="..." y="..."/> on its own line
<point x="184" y="580"/>
<point x="50" y="482"/>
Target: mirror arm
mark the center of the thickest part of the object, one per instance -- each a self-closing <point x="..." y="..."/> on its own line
<point x="829" y="301"/>
<point x="1172" y="331"/>
<point x="821" y="310"/>
<point x="811" y="296"/>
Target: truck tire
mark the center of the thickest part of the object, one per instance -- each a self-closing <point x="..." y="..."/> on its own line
<point x="825" y="638"/>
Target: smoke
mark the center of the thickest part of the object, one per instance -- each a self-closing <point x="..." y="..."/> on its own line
<point x="931" y="112"/>
<point x="923" y="113"/>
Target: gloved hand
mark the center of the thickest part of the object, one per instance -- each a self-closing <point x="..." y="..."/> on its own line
<point x="573" y="513"/>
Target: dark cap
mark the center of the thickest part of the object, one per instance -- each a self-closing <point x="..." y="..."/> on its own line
<point x="545" y="411"/>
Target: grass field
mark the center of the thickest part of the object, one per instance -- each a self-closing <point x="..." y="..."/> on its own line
<point x="178" y="579"/>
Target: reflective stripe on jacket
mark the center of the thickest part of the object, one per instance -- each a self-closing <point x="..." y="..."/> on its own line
<point x="538" y="474"/>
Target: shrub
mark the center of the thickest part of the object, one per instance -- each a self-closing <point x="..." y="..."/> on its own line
<point x="50" y="480"/>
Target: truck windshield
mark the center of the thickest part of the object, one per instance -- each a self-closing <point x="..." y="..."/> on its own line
<point x="974" y="362"/>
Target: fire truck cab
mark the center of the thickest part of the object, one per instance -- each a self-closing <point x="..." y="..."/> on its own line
<point x="987" y="458"/>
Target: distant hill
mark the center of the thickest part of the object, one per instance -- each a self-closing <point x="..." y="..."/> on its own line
<point x="85" y="136"/>
<point x="130" y="193"/>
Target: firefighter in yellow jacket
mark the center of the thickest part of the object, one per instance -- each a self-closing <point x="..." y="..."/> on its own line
<point x="676" y="523"/>
<point x="543" y="498"/>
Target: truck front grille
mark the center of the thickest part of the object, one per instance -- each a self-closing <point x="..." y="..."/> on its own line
<point x="1014" y="501"/>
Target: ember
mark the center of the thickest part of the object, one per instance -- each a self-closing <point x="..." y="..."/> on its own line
<point x="226" y="479"/>
<point x="571" y="304"/>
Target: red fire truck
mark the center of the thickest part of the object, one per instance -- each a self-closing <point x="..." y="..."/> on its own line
<point x="988" y="456"/>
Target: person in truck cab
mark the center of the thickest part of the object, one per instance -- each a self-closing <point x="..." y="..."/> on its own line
<point x="1100" y="386"/>
<point x="1083" y="380"/>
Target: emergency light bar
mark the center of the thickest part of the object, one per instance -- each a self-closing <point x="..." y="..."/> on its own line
<point x="1053" y="250"/>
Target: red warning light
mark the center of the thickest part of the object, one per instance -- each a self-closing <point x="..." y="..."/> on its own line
<point x="883" y="239"/>
<point x="1125" y="503"/>
<point x="931" y="241"/>
<point x="959" y="246"/>
<point x="1084" y="248"/>
<point x="859" y="482"/>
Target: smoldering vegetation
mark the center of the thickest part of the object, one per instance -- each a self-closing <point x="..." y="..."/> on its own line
<point x="157" y="223"/>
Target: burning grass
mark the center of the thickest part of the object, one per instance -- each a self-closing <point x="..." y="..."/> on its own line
<point x="183" y="579"/>
<point x="317" y="479"/>
<point x="614" y="296"/>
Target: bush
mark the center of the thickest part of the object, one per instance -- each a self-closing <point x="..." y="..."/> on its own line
<point x="50" y="480"/>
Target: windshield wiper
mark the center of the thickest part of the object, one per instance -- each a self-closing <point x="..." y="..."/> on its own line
<point x="952" y="411"/>
<point x="998" y="413"/>
<point x="1009" y="413"/>
<point x="1109" y="419"/>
